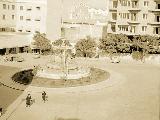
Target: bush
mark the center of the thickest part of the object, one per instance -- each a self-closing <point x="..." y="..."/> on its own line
<point x="137" y="55"/>
<point x="24" y="77"/>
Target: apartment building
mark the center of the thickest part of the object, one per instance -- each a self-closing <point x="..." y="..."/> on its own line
<point x="134" y="17"/>
<point x="19" y="21"/>
<point x="27" y="16"/>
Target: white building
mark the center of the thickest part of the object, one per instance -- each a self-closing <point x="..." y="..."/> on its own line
<point x="19" y="20"/>
<point x="83" y="21"/>
<point x="23" y="16"/>
<point x="134" y="17"/>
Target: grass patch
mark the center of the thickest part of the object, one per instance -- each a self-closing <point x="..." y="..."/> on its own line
<point x="97" y="75"/>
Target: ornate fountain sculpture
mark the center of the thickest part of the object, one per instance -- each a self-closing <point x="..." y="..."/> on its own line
<point x="64" y="67"/>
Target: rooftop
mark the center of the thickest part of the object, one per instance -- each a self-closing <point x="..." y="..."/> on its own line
<point x="10" y="40"/>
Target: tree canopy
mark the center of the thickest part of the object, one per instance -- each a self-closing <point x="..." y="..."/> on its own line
<point x="41" y="42"/>
<point x="86" y="47"/>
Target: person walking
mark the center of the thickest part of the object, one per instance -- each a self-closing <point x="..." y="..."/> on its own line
<point x="44" y="96"/>
<point x="28" y="100"/>
<point x="1" y="112"/>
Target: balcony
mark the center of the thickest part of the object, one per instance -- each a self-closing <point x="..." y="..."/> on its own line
<point x="113" y="9"/>
<point x="133" y="22"/>
<point x="155" y="10"/>
<point x="38" y="19"/>
<point x="155" y="23"/>
<point x="112" y="21"/>
<point x="29" y="8"/>
<point x="134" y="9"/>
<point x="28" y="19"/>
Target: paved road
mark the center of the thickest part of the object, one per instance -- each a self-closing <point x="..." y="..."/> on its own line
<point x="135" y="97"/>
<point x="8" y="96"/>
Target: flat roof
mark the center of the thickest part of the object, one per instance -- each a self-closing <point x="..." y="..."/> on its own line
<point x="11" y="40"/>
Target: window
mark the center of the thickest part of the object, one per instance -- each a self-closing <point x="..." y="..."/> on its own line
<point x="128" y="3"/>
<point x="127" y="15"/>
<point x="13" y="16"/>
<point x="158" y="19"/>
<point x="21" y="17"/>
<point x="38" y="8"/>
<point x="144" y="16"/>
<point x="20" y="30"/>
<point x="113" y="28"/>
<point x="21" y="7"/>
<point x="146" y="3"/>
<point x="124" y="2"/>
<point x="134" y="4"/>
<point x="28" y="31"/>
<point x="156" y="30"/>
<point x="123" y="28"/>
<point x="133" y="29"/>
<point x="114" y="4"/>
<point x="4" y="6"/>
<point x="4" y="17"/>
<point x="114" y="16"/>
<point x="13" y="7"/>
<point x="28" y="19"/>
<point x="3" y="29"/>
<point x="158" y="6"/>
<point x="29" y="8"/>
<point x="144" y="28"/>
<point x="37" y="19"/>
<point x="133" y="17"/>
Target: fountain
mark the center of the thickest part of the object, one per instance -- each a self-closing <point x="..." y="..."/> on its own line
<point x="63" y="68"/>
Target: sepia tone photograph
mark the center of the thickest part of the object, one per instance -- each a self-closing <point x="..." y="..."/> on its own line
<point x="79" y="59"/>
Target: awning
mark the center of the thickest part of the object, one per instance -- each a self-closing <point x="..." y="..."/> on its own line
<point x="11" y="40"/>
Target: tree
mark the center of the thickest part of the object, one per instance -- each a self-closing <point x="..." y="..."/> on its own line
<point x="123" y="44"/>
<point x="114" y="44"/>
<point x="58" y="44"/>
<point x="42" y="43"/>
<point x="86" y="47"/>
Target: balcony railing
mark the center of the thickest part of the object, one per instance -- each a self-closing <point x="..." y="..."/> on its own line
<point x="154" y="23"/>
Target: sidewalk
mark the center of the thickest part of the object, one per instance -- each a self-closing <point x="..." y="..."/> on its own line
<point x="11" y="111"/>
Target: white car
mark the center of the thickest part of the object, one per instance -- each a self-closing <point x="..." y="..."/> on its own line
<point x="36" y="56"/>
<point x="115" y="60"/>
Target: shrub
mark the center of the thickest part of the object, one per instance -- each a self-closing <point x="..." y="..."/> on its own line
<point x="24" y="77"/>
<point x="136" y="55"/>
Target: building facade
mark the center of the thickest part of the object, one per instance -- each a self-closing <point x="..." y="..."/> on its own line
<point x="27" y="16"/>
<point x="83" y="21"/>
<point x="19" y="21"/>
<point x="134" y="17"/>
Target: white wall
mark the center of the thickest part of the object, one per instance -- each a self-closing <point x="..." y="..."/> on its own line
<point x="54" y="9"/>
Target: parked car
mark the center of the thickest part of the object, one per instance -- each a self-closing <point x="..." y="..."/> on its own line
<point x="115" y="59"/>
<point x="36" y="56"/>
<point x="19" y="59"/>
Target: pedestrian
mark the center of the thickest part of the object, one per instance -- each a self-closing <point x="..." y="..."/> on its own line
<point x="44" y="96"/>
<point x="0" y="112"/>
<point x="28" y="100"/>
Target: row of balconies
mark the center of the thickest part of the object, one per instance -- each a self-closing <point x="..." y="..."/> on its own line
<point x="133" y="7"/>
<point x="133" y="30"/>
<point x="135" y="22"/>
